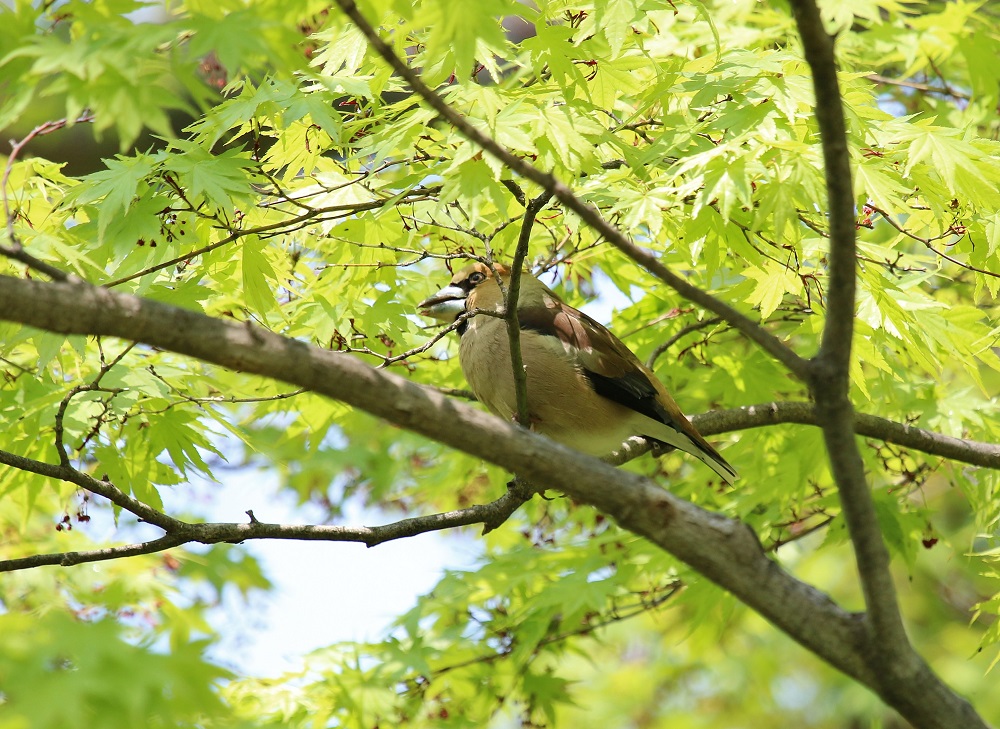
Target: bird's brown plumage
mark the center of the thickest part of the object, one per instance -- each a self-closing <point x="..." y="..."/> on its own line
<point x="585" y="387"/>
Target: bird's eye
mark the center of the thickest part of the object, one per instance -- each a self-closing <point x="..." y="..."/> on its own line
<point x="476" y="278"/>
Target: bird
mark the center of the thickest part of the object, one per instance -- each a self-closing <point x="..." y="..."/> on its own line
<point x="585" y="388"/>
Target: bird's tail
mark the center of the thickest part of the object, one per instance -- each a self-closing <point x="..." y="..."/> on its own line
<point x="699" y="448"/>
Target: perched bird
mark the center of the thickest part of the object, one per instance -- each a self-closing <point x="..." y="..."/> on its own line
<point x="585" y="388"/>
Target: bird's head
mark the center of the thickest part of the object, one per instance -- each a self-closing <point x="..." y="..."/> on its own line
<point x="474" y="287"/>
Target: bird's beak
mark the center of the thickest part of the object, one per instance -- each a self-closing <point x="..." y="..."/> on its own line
<point x="446" y="305"/>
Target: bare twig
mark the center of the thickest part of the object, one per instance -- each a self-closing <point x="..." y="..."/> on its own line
<point x="510" y="305"/>
<point x="93" y="386"/>
<point x="917" y="86"/>
<point x="459" y="320"/>
<point x="616" y="615"/>
<point x="685" y="330"/>
<point x="928" y="243"/>
<point x="388" y="360"/>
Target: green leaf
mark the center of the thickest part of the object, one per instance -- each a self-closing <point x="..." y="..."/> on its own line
<point x="220" y="180"/>
<point x="258" y="276"/>
<point x="615" y="18"/>
<point x="773" y="282"/>
<point x="118" y="187"/>
<point x="61" y="672"/>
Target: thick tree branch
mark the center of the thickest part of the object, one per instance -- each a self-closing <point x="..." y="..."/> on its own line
<point x="722" y="549"/>
<point x="495" y="513"/>
<point x="901" y="671"/>
<point x="587" y="213"/>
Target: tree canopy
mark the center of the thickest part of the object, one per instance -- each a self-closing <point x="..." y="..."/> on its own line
<point x="799" y="208"/>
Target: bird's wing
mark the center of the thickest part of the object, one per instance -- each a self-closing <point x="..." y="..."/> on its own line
<point x="615" y="372"/>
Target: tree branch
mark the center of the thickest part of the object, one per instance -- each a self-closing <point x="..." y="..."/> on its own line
<point x="68" y="559"/>
<point x="722" y="549"/>
<point x="835" y="349"/>
<point x="976" y="453"/>
<point x="928" y="243"/>
<point x="916" y="86"/>
<point x="103" y="488"/>
<point x="490" y="515"/>
<point x="900" y="669"/>
<point x="313" y="215"/>
<point x="587" y="213"/>
<point x="513" y="292"/>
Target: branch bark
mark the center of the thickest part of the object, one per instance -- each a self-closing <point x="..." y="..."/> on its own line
<point x="531" y="211"/>
<point x="830" y="368"/>
<point x="178" y="533"/>
<point x="976" y="453"/>
<point x="722" y="549"/>
<point x="904" y="679"/>
<point x="491" y="515"/>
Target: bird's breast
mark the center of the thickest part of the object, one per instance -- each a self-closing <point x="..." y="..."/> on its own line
<point x="561" y="402"/>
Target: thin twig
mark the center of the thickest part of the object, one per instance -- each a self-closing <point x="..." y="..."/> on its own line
<point x="490" y="515"/>
<point x="388" y="360"/>
<point x="513" y="292"/>
<point x="100" y="487"/>
<point x="459" y="321"/>
<point x="93" y="386"/>
<point x="617" y="615"/>
<point x="693" y="327"/>
<point x="917" y="86"/>
<point x="928" y="243"/>
<point x="308" y="218"/>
